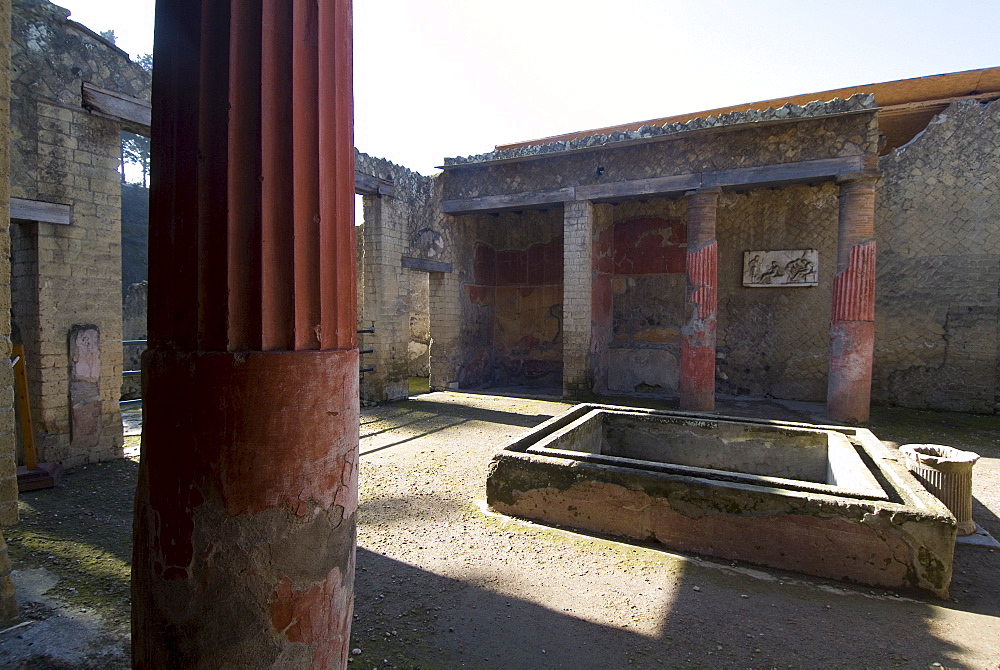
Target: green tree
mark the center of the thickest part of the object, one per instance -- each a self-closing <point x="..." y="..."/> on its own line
<point x="135" y="150"/>
<point x="109" y="35"/>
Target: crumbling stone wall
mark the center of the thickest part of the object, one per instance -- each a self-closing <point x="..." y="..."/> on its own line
<point x="66" y="275"/>
<point x="938" y="285"/>
<point x="407" y="224"/>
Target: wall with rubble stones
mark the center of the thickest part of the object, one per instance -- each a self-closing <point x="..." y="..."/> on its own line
<point x="66" y="275"/>
<point x="937" y="311"/>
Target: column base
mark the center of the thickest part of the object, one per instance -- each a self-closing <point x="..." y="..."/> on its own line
<point x="245" y="510"/>
<point x="849" y="387"/>
<point x="697" y="378"/>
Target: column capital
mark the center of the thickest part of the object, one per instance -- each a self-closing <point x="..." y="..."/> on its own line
<point x="866" y="176"/>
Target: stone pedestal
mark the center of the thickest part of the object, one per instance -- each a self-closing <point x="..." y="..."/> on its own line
<point x="697" y="373"/>
<point x="852" y="322"/>
<point x="245" y="509"/>
<point x="947" y="473"/>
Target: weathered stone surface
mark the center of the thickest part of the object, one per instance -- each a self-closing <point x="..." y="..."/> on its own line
<point x="937" y="315"/>
<point x="65" y="275"/>
<point x="84" y="386"/>
<point x="780" y="267"/>
<point x="895" y="534"/>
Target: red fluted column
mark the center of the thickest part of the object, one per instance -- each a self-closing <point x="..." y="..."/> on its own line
<point x="244" y="531"/>
<point x="852" y="322"/>
<point x="697" y="375"/>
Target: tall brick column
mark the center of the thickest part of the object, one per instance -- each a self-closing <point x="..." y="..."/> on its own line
<point x="245" y="508"/>
<point x="697" y="374"/>
<point x="852" y="322"/>
<point x="578" y="253"/>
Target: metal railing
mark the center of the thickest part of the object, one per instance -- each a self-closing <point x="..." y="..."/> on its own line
<point x="131" y="373"/>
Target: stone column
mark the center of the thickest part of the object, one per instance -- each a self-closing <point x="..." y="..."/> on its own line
<point x="578" y="253"/>
<point x="697" y="374"/>
<point x="244" y="531"/>
<point x="852" y="322"/>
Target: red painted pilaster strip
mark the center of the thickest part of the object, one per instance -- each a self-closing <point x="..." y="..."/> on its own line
<point x="336" y="170"/>
<point x="305" y="131"/>
<point x="698" y="334"/>
<point x="854" y="288"/>
<point x="852" y="327"/>
<point x="277" y="246"/>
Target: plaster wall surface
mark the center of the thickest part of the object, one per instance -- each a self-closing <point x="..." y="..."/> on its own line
<point x="937" y="313"/>
<point x="511" y="274"/>
<point x="65" y="275"/>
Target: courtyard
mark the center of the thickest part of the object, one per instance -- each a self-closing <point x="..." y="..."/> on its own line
<point x="441" y="582"/>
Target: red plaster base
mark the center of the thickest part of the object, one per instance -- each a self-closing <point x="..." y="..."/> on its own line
<point x="697" y="377"/>
<point x="849" y="388"/>
<point x="245" y="510"/>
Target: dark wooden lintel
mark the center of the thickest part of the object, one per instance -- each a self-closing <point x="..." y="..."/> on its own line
<point x="425" y="265"/>
<point x="496" y="203"/>
<point x="801" y="172"/>
<point x="134" y="114"/>
<point x="639" y="187"/>
<point x="37" y="210"/>
<point x="365" y="184"/>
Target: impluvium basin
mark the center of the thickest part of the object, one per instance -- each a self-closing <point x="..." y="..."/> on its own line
<point x="830" y="501"/>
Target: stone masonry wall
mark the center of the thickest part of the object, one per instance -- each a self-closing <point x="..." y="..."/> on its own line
<point x="408" y="223"/>
<point x="773" y="341"/>
<point x="67" y="275"/>
<point x="737" y="147"/>
<point x="938" y="284"/>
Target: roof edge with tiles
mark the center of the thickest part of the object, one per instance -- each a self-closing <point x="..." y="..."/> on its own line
<point x="789" y="112"/>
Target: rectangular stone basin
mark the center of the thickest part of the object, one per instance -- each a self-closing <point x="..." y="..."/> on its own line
<point x="830" y="501"/>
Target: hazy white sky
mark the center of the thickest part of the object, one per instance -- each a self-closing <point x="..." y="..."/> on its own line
<point x="436" y="78"/>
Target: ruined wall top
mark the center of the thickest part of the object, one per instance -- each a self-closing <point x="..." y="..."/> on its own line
<point x="817" y="109"/>
<point x="404" y="179"/>
<point x="52" y="56"/>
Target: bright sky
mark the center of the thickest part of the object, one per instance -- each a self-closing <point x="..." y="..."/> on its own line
<point x="436" y="78"/>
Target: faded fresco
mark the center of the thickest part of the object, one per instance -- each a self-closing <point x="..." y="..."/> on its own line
<point x="782" y="267"/>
